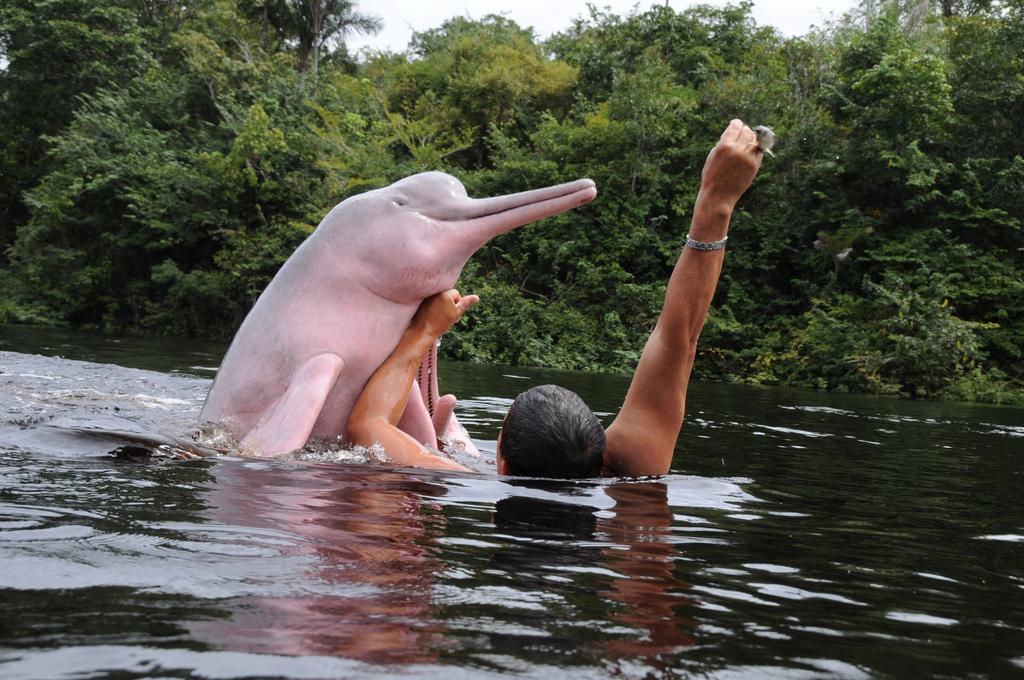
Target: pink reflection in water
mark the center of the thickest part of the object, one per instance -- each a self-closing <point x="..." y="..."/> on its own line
<point x="364" y="535"/>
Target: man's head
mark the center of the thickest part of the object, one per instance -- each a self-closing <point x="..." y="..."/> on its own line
<point x="550" y="432"/>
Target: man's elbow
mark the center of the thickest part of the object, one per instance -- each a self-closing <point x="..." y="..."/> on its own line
<point x="679" y="342"/>
<point x="361" y="431"/>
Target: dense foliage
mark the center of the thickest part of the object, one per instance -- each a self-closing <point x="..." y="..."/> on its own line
<point x="159" y="161"/>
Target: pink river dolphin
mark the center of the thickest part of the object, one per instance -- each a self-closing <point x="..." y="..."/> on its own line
<point x="338" y="306"/>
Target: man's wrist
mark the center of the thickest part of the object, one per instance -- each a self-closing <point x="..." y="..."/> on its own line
<point x="714" y="205"/>
<point x="711" y="218"/>
<point x="423" y="332"/>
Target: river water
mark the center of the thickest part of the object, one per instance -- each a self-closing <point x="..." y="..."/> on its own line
<point x="799" y="535"/>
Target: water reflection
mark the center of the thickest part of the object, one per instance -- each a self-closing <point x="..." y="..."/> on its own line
<point x="365" y="534"/>
<point x="648" y="586"/>
<point x="629" y="545"/>
<point x="376" y="548"/>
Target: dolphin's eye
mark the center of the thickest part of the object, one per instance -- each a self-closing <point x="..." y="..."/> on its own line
<point x="401" y="201"/>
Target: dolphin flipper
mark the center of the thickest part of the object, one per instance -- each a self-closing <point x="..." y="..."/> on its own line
<point x="455" y="433"/>
<point x="444" y="410"/>
<point x="288" y="423"/>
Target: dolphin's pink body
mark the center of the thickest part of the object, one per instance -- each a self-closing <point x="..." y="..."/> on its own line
<point x="339" y="305"/>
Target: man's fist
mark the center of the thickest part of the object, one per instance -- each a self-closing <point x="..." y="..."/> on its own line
<point x="731" y="166"/>
<point x="439" y="312"/>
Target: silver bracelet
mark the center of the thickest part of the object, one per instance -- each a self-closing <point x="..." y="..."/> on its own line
<point x="705" y="245"/>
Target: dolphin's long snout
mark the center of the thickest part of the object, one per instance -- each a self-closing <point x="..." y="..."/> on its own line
<point x="485" y="218"/>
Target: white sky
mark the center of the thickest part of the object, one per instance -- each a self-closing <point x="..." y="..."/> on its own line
<point x="402" y="17"/>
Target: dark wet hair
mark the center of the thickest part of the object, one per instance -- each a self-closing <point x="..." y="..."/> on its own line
<point x="550" y="432"/>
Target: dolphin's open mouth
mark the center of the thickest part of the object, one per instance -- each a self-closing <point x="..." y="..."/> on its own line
<point x="492" y="216"/>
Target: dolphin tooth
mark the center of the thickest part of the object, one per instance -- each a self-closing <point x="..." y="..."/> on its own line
<point x="765" y="139"/>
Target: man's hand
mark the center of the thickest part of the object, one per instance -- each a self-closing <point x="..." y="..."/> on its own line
<point x="439" y="312"/>
<point x="730" y="167"/>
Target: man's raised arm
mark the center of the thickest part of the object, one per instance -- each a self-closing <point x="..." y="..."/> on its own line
<point x="643" y="436"/>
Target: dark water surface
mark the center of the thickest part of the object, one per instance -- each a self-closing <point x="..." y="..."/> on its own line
<point x="799" y="535"/>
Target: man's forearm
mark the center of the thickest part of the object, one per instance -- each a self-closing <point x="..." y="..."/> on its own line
<point x="695" y="277"/>
<point x="385" y="394"/>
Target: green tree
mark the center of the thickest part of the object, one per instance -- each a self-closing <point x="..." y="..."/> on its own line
<point x="475" y="75"/>
<point x="314" y="27"/>
<point x="55" y="52"/>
